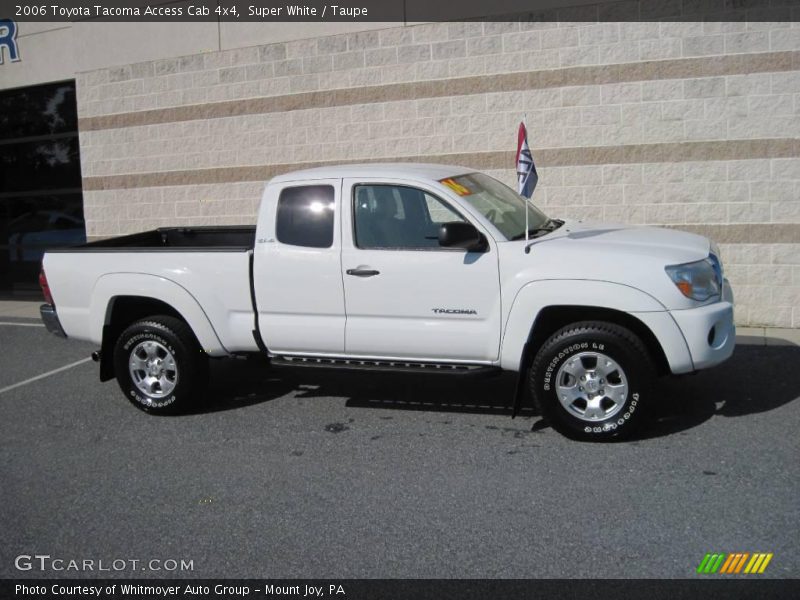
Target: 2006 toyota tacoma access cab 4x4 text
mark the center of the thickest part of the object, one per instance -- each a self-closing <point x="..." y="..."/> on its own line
<point x="402" y="267"/>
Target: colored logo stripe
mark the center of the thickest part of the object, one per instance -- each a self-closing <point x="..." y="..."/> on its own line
<point x="710" y="563"/>
<point x="758" y="563"/>
<point x="734" y="562"/>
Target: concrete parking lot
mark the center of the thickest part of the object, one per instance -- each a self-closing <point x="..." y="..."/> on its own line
<point x="315" y="474"/>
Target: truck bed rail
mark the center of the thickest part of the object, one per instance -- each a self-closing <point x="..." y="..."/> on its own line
<point x="235" y="238"/>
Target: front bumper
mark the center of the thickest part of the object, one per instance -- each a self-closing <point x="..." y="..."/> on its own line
<point x="50" y="320"/>
<point x="709" y="330"/>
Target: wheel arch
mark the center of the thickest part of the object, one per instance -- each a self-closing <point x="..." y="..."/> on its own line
<point x="542" y="307"/>
<point x="123" y="311"/>
<point x="552" y="318"/>
<point x="123" y="298"/>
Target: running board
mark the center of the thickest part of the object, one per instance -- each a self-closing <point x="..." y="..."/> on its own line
<point x="402" y="366"/>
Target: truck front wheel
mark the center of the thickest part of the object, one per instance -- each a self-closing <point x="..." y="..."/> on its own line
<point x="160" y="367"/>
<point x="591" y="380"/>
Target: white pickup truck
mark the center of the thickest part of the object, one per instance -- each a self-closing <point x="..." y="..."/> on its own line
<point x="422" y="268"/>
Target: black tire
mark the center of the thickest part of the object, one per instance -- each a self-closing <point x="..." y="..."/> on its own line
<point x="184" y="376"/>
<point x="569" y="354"/>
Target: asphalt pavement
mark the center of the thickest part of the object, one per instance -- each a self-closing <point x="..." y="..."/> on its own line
<point x="312" y="474"/>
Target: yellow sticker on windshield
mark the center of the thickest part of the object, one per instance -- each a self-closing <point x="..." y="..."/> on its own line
<point x="459" y="189"/>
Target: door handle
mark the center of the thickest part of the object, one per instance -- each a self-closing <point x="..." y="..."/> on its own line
<point x="359" y="272"/>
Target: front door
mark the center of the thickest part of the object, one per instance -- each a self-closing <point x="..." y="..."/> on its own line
<point x="406" y="296"/>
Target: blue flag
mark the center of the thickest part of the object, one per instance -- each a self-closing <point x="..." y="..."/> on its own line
<point x="527" y="177"/>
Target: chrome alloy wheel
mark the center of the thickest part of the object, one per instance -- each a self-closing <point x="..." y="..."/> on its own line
<point x="591" y="386"/>
<point x="153" y="369"/>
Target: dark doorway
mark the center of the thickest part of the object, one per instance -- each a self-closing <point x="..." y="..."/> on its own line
<point x="41" y="202"/>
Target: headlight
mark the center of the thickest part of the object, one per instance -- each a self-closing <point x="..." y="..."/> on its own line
<point x="699" y="280"/>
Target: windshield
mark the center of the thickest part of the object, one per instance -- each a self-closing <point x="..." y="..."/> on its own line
<point x="501" y="205"/>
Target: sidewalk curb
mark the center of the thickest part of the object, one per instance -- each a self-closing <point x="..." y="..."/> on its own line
<point x="23" y="309"/>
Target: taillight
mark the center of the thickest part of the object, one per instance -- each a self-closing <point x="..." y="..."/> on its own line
<point x="48" y="297"/>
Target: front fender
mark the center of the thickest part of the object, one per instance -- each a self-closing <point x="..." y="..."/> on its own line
<point x="533" y="297"/>
<point x="143" y="285"/>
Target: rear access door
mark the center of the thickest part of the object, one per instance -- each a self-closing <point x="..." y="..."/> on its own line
<point x="297" y="269"/>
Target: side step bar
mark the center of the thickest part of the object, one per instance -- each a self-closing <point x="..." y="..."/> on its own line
<point x="396" y="366"/>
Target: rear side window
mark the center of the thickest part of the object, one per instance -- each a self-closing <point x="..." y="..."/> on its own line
<point x="305" y="216"/>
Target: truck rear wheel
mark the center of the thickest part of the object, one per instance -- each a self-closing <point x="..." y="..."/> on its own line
<point x="160" y="367"/>
<point x="592" y="380"/>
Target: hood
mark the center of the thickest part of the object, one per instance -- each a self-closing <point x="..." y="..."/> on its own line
<point x="614" y="253"/>
<point x="670" y="245"/>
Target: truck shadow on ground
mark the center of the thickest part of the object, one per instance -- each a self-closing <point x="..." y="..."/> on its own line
<point x="254" y="383"/>
<point x="755" y="380"/>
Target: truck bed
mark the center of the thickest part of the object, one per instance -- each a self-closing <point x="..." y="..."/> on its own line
<point x="202" y="272"/>
<point x="182" y="239"/>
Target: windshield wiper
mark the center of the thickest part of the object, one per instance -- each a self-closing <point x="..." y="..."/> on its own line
<point x="531" y="233"/>
<point x="556" y="223"/>
<point x="550" y="225"/>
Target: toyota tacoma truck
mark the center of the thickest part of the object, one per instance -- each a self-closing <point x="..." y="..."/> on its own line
<point x="403" y="267"/>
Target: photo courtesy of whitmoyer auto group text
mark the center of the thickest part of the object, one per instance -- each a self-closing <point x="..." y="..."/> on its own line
<point x="400" y="299"/>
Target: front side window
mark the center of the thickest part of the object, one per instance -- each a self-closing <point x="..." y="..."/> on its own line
<point x="400" y="217"/>
<point x="305" y="216"/>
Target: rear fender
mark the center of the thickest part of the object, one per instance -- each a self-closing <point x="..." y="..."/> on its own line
<point x="142" y="285"/>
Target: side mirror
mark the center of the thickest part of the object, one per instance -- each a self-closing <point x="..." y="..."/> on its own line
<point x="457" y="234"/>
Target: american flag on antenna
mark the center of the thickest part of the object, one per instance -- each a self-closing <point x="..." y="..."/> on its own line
<point x="527" y="177"/>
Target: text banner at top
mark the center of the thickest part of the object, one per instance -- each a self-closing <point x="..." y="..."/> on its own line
<point x="407" y="11"/>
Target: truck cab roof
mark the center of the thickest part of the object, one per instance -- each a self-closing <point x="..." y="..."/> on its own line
<point x="423" y="171"/>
